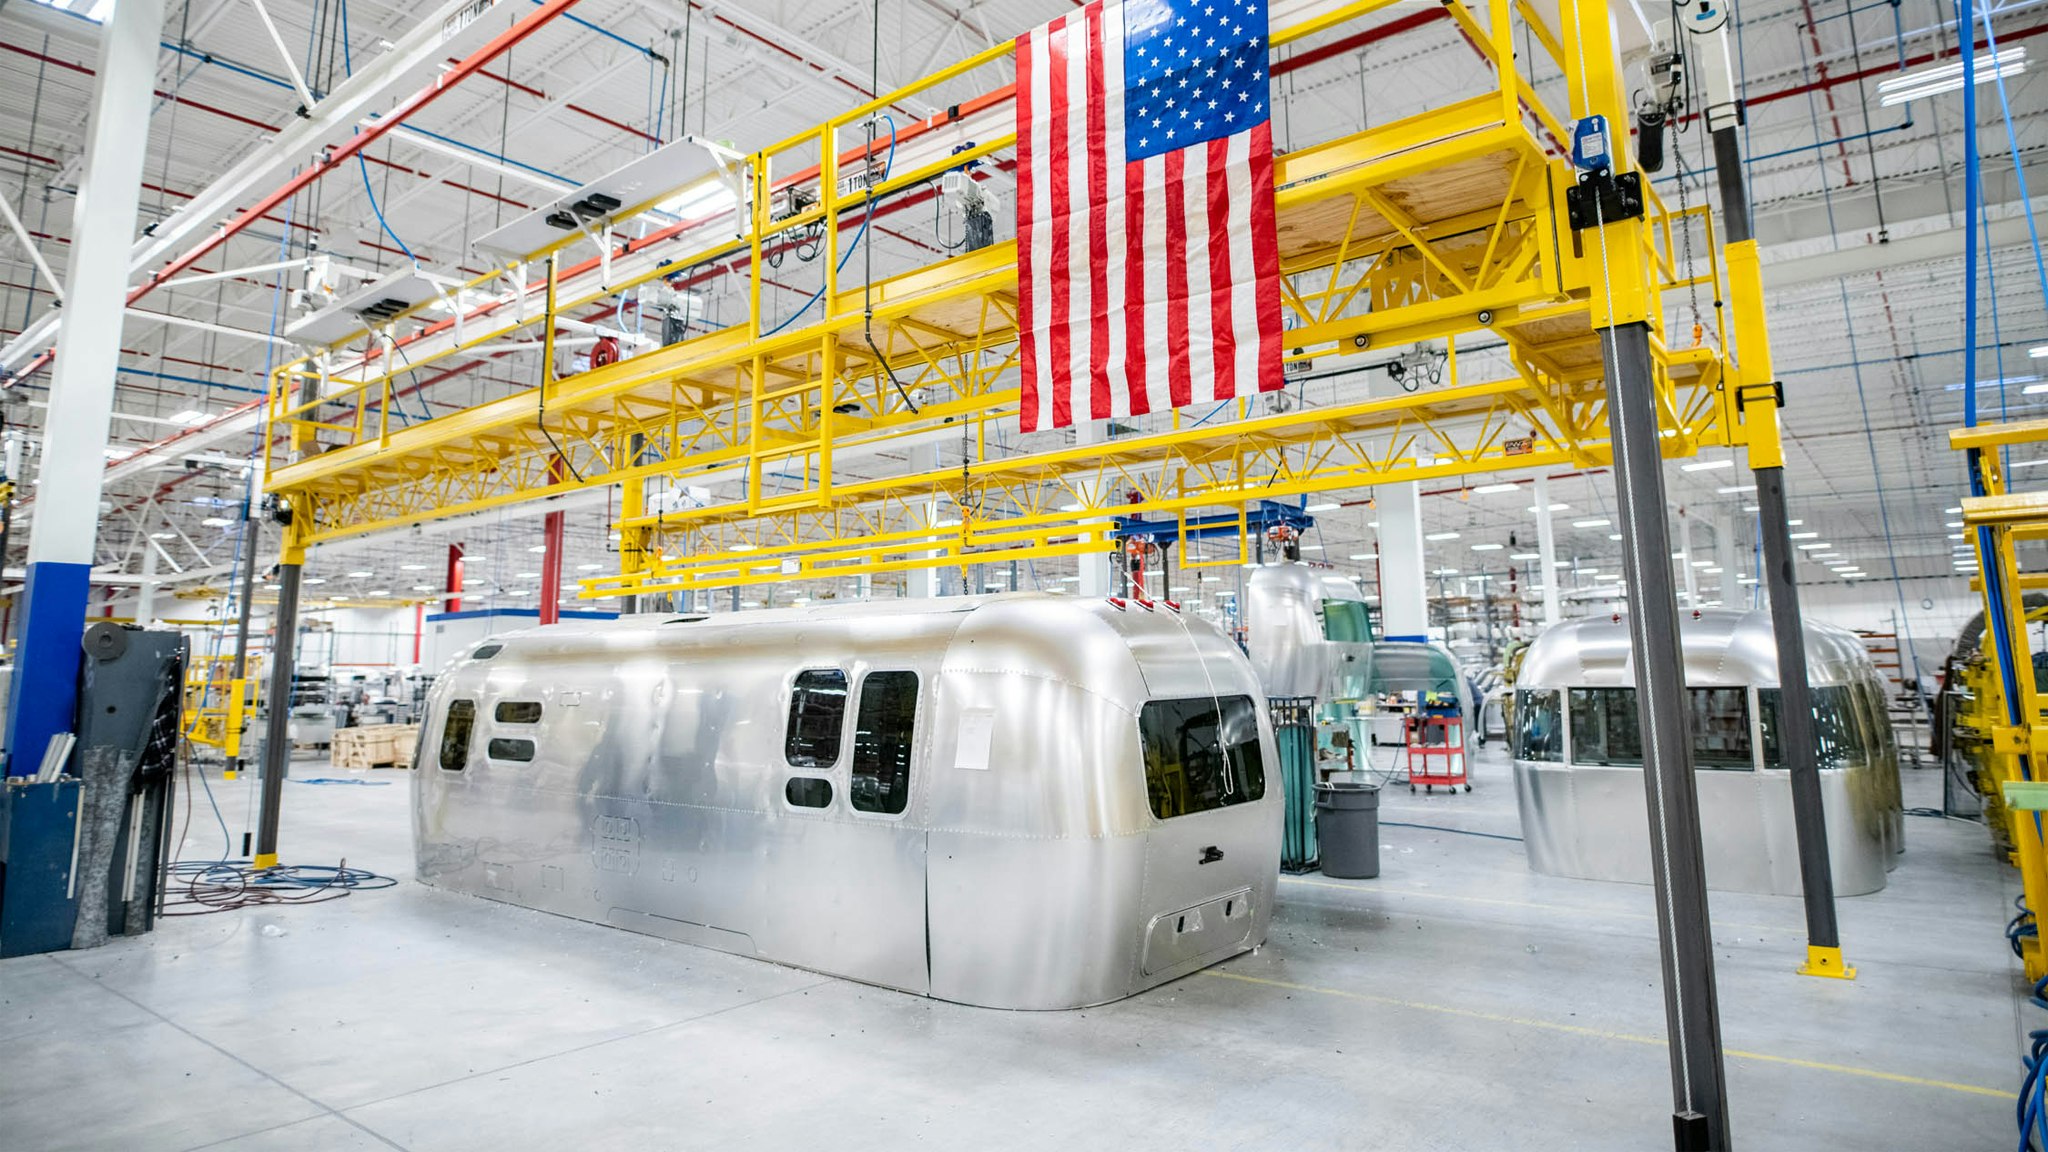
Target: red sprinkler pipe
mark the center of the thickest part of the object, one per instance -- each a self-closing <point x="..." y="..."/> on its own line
<point x="551" y="564"/>
<point x="332" y="157"/>
<point x="455" y="578"/>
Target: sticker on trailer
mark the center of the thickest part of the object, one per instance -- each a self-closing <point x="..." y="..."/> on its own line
<point x="977" y="739"/>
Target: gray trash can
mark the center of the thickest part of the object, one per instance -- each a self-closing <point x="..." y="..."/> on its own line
<point x="1348" y="829"/>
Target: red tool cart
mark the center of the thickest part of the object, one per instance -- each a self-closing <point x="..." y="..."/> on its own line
<point x="1436" y="751"/>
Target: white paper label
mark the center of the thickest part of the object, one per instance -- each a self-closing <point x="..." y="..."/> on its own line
<point x="977" y="733"/>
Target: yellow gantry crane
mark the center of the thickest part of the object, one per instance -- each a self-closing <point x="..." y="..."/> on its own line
<point x="1437" y="227"/>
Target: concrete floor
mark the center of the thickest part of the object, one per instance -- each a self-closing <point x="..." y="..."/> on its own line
<point x="1459" y="1002"/>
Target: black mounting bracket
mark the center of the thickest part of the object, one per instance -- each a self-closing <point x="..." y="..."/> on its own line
<point x="1600" y="197"/>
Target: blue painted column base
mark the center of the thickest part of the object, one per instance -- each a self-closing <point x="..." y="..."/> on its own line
<point x="44" y="696"/>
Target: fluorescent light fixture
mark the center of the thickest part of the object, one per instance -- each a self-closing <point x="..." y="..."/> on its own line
<point x="423" y="587"/>
<point x="379" y="592"/>
<point x="1526" y="556"/>
<point x="1713" y="570"/>
<point x="1749" y="507"/>
<point x="2038" y="352"/>
<point x="1212" y="579"/>
<point x="1803" y="536"/>
<point x="1925" y="82"/>
<point x="1488" y="547"/>
<point x="412" y="567"/>
<point x="1736" y="490"/>
<point x="1956" y="536"/>
<point x="361" y="574"/>
<point x="1311" y="547"/>
<point x="314" y="580"/>
<point x="702" y="199"/>
<point x="1447" y="571"/>
<point x="1071" y="507"/>
<point x="1441" y="536"/>
<point x="2030" y="463"/>
<point x="1745" y="579"/>
<point x="1322" y="508"/>
<point x="1553" y="508"/>
<point x="538" y="548"/>
<point x="1364" y="556"/>
<point x="1492" y="489"/>
<point x="2034" y="389"/>
<point x="746" y="547"/>
<point x="1614" y="535"/>
<point x="1602" y="522"/>
<point x="1955" y="511"/>
<point x="526" y="575"/>
<point x="163" y="535"/>
<point x="1070" y="579"/>
<point x="1953" y="524"/>
<point x="1609" y="578"/>
<point x="215" y="522"/>
<point x="1813" y="547"/>
<point x="1589" y="571"/>
<point x="1703" y="563"/>
<point x="1706" y="465"/>
<point x="588" y="567"/>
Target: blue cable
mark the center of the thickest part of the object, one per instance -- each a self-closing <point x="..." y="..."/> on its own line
<point x="888" y="162"/>
<point x="363" y="166"/>
<point x="2019" y="170"/>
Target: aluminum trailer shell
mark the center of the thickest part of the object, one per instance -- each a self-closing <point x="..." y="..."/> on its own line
<point x="655" y="799"/>
<point x="1587" y="820"/>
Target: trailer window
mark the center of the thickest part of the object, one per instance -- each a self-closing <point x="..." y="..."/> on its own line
<point x="1720" y="728"/>
<point x="880" y="779"/>
<point x="1201" y="754"/>
<point x="1539" y="726"/>
<point x="455" y="731"/>
<point x="506" y="748"/>
<point x="1347" y="621"/>
<point x="1836" y="733"/>
<point x="817" y="715"/>
<point x="1605" y="728"/>
<point x="517" y="712"/>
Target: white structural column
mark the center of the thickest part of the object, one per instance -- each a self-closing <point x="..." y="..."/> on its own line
<point x="1095" y="580"/>
<point x="1724" y="557"/>
<point x="1404" y="588"/>
<point x="924" y="583"/>
<point x="1546" y="550"/>
<point x="74" y="457"/>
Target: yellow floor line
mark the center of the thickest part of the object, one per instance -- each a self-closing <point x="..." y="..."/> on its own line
<point x="1430" y="894"/>
<point x="1604" y="1034"/>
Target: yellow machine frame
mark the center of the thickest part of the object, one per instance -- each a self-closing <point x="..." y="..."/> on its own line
<point x="1431" y="227"/>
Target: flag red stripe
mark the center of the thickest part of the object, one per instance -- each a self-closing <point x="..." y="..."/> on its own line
<point x="1178" y="385"/>
<point x="1223" y="350"/>
<point x="1137" y="362"/>
<point x="1266" y="257"/>
<point x="1027" y="271"/>
<point x="1098" y="226"/>
<point x="1056" y="177"/>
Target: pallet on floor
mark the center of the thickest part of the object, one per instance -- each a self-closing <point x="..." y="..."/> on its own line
<point x="375" y="746"/>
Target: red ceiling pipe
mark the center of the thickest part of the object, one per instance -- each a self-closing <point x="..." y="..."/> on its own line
<point x="454" y="577"/>
<point x="334" y="156"/>
<point x="551" y="564"/>
<point x="419" y="626"/>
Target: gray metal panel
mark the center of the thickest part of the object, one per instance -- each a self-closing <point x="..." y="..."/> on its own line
<point x="655" y="800"/>
<point x="1588" y="822"/>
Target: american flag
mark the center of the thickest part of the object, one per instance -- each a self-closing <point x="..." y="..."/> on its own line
<point x="1148" y="275"/>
